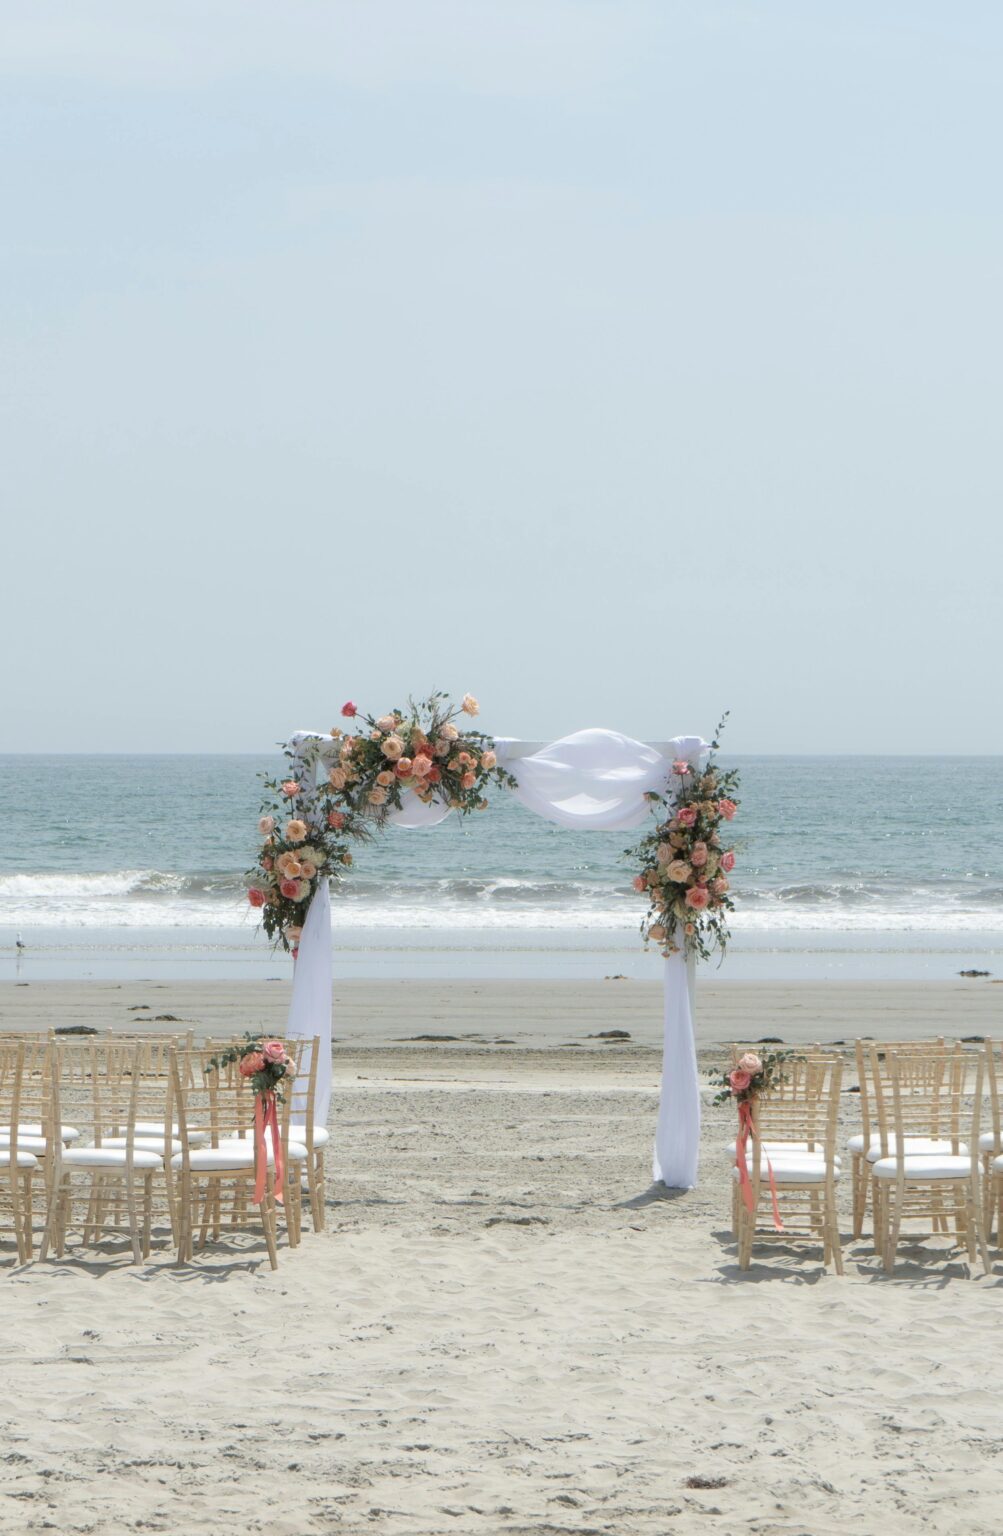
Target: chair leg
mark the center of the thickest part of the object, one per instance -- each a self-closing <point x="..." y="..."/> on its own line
<point x="860" y="1170"/>
<point x="147" y="1213"/>
<point x="267" y="1210"/>
<point x="894" y="1224"/>
<point x="317" y="1191"/>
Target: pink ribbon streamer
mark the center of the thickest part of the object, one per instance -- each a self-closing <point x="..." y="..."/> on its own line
<point x="266" y="1116"/>
<point x="746" y="1128"/>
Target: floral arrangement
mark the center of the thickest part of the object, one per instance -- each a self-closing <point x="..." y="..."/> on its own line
<point x="305" y="833"/>
<point x="307" y="827"/>
<point x="420" y="748"/>
<point x="684" y="862"/>
<point x="266" y="1062"/>
<point x="751" y="1076"/>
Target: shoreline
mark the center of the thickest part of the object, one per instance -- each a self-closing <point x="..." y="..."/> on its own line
<point x="508" y="1016"/>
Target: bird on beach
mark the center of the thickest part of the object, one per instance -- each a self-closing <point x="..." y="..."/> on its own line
<point x="19" y="945"/>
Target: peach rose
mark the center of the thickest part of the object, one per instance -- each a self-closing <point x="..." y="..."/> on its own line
<point x="720" y="885"/>
<point x="468" y="781"/>
<point x="750" y="1063"/>
<point x="337" y="778"/>
<point x="640" y="884"/>
<point x="489" y="760"/>
<point x="268" y="862"/>
<point x="664" y="853"/>
<point x="686" y="815"/>
<point x="295" y="831"/>
<point x="289" y="889"/>
<point x="727" y="808"/>
<point x="679" y="871"/>
<point x="266" y="825"/>
<point x="421" y="765"/>
<point x="289" y="864"/>
<point x="346" y="858"/>
<point x="698" y="855"/>
<point x="441" y="748"/>
<point x="253" y="1062"/>
<point x="393" y="748"/>
<point x="434" y="774"/>
<point x="728" y="861"/>
<point x="656" y="932"/>
<point x="449" y="731"/>
<point x="377" y="796"/>
<point x="690" y="929"/>
<point x="403" y="767"/>
<point x="470" y="705"/>
<point x="739" y="1081"/>
<point x="386" y="724"/>
<point x="385" y="778"/>
<point x="290" y="788"/>
<point x="256" y="897"/>
<point x="697" y="897"/>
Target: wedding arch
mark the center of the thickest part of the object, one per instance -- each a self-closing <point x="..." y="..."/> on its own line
<point x="412" y="770"/>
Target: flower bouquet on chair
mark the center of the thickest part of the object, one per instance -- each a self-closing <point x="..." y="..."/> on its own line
<point x="267" y="1065"/>
<point x="744" y="1082"/>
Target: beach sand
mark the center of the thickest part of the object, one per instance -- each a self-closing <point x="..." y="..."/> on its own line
<point x="505" y="1328"/>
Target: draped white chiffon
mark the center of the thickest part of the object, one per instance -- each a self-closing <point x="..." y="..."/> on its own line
<point x="593" y="780"/>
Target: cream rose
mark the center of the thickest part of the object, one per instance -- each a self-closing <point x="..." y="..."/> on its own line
<point x="393" y="748"/>
<point x="679" y="871"/>
<point x="470" y="705"/>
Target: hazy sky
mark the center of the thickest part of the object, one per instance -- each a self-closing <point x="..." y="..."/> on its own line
<point x="619" y="362"/>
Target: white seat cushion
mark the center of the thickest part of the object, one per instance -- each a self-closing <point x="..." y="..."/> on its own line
<point x="196" y="1138"/>
<point x="925" y="1167"/>
<point x="987" y="1141"/>
<point x="232" y="1157"/>
<point x="67" y="1133"/>
<point x="36" y="1145"/>
<point x="783" y="1150"/>
<point x="856" y="1144"/>
<point x="918" y="1146"/>
<point x="22" y="1159"/>
<point x="792" y="1170"/>
<point x="148" y="1143"/>
<point x="109" y="1157"/>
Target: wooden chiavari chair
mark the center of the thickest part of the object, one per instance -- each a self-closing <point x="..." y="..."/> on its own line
<point x="798" y="1124"/>
<point x="866" y="1147"/>
<point x="18" y="1164"/>
<point x="922" y="1097"/>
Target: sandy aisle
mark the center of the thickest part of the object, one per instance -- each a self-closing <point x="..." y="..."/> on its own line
<point x="502" y="1331"/>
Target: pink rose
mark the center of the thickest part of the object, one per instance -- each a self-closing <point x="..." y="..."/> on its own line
<point x="289" y="889"/>
<point x="489" y="760"/>
<point x="640" y="884"/>
<point x="728" y="861"/>
<point x="698" y="855"/>
<point x="336" y="820"/>
<point x="256" y="897"/>
<point x="727" y="809"/>
<point x="739" y="1081"/>
<point x="697" y="897"/>
<point x="680" y="767"/>
<point x="750" y="1063"/>
<point x="686" y="815"/>
<point x="468" y="781"/>
<point x="290" y="788"/>
<point x="421" y="765"/>
<point x="266" y="825"/>
<point x="434" y="774"/>
<point x="349" y="709"/>
<point x="251" y="1063"/>
<point x="273" y="1050"/>
<point x="386" y="724"/>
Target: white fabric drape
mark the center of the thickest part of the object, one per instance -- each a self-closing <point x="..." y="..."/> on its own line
<point x="310" y="1006"/>
<point x="593" y="780"/>
<point x="677" y="1134"/>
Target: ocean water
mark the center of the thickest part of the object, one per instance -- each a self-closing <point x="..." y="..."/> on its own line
<point x="846" y="865"/>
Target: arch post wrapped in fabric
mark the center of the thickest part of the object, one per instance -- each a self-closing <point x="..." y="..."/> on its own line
<point x="594" y="780"/>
